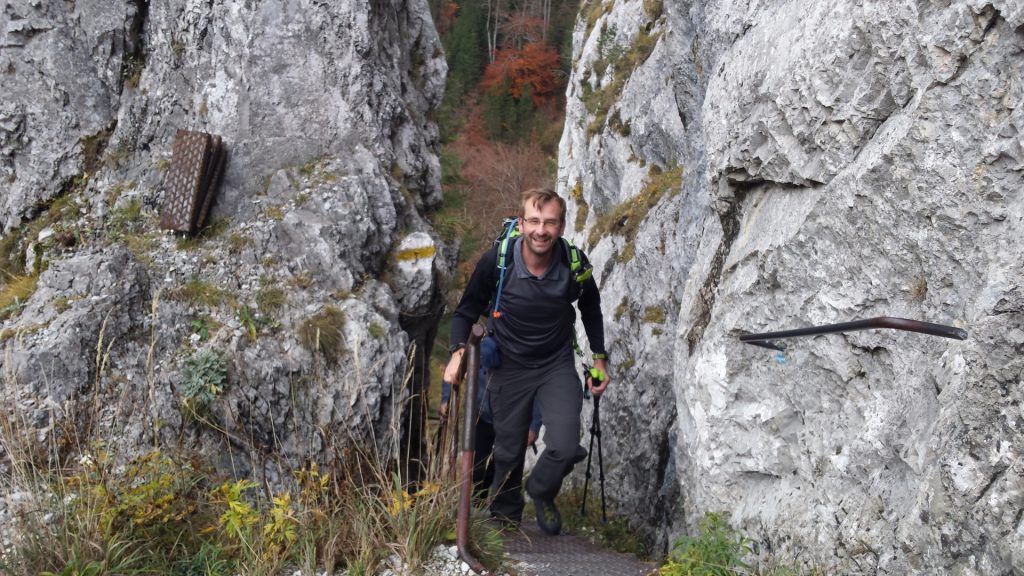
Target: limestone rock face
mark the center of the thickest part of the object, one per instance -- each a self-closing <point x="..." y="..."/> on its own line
<point x="63" y="68"/>
<point x="332" y="160"/>
<point x="82" y="304"/>
<point x="826" y="164"/>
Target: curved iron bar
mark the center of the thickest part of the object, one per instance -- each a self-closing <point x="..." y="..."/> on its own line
<point x="767" y="339"/>
<point x="470" y="370"/>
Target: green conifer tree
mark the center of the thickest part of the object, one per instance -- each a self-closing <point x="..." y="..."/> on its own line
<point x="498" y="106"/>
<point x="521" y="122"/>
<point x="464" y="50"/>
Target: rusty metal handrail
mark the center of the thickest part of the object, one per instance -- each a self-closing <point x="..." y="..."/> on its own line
<point x="766" y="339"/>
<point x="470" y="370"/>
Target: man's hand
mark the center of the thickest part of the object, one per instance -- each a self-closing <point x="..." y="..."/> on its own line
<point x="597" y="387"/>
<point x="451" y="372"/>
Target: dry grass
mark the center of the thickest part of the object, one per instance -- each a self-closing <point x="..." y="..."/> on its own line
<point x="324" y="334"/>
<point x="197" y="291"/>
<point x="89" y="510"/>
<point x="15" y="293"/>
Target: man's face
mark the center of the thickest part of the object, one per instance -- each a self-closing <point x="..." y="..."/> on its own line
<point x="541" y="227"/>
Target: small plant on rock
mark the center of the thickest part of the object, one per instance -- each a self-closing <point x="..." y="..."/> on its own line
<point x="251" y="321"/>
<point x="717" y="551"/>
<point x="201" y="327"/>
<point x="204" y="378"/>
<point x="125" y="220"/>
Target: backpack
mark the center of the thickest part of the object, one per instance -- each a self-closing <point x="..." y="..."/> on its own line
<point x="579" y="267"/>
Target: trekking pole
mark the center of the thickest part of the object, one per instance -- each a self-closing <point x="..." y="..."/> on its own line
<point x="586" y="477"/>
<point x="600" y="457"/>
<point x="595" y="432"/>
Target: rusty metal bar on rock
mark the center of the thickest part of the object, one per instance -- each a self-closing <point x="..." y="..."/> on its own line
<point x="766" y="339"/>
<point x="471" y="363"/>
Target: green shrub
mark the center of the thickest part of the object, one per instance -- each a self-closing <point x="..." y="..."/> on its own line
<point x="717" y="550"/>
<point x="211" y="231"/>
<point x="203" y="325"/>
<point x="583" y="208"/>
<point x="451" y="167"/>
<point x="203" y="379"/>
<point x="100" y="516"/>
<point x="654" y="8"/>
<point x="237" y="242"/>
<point x="274" y="213"/>
<point x="12" y="256"/>
<point x="450" y="219"/>
<point x="377" y="331"/>
<point x="622" y="62"/>
<point x="593" y="10"/>
<point x="164" y="513"/>
<point x="621" y="309"/>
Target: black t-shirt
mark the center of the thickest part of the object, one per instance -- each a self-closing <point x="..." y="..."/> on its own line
<point x="537" y="316"/>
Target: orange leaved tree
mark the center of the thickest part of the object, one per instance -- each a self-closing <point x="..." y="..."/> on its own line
<point x="534" y="64"/>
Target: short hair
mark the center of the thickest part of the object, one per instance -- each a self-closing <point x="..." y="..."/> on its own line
<point x="539" y="197"/>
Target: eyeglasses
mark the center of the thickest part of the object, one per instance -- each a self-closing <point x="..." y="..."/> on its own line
<point x="535" y="222"/>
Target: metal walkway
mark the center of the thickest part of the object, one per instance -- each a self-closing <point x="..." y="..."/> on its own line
<point x="568" y="555"/>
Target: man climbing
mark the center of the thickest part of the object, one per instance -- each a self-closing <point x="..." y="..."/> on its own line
<point x="530" y="282"/>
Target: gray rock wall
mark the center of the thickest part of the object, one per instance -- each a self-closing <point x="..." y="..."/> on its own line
<point x="63" y="69"/>
<point x="331" y="162"/>
<point x="839" y="161"/>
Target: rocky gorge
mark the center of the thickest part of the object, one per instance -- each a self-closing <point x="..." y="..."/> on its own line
<point x="731" y="166"/>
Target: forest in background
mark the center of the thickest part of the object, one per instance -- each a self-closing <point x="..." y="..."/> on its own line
<point x="500" y="121"/>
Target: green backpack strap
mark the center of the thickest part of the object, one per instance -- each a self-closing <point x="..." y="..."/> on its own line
<point x="581" y="272"/>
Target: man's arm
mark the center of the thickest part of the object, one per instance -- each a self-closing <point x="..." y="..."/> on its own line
<point x="593" y="322"/>
<point x="474" y="301"/>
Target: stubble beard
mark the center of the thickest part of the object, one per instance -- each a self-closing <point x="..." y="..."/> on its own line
<point x="532" y="244"/>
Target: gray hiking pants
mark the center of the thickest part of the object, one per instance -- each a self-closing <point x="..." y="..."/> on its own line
<point x="559" y="394"/>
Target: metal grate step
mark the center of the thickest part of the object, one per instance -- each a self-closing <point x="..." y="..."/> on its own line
<point x="568" y="555"/>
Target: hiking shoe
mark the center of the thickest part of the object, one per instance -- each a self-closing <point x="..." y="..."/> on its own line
<point x="548" y="518"/>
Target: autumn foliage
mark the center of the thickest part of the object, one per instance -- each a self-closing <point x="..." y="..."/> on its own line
<point x="534" y="64"/>
<point x="446" y="16"/>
